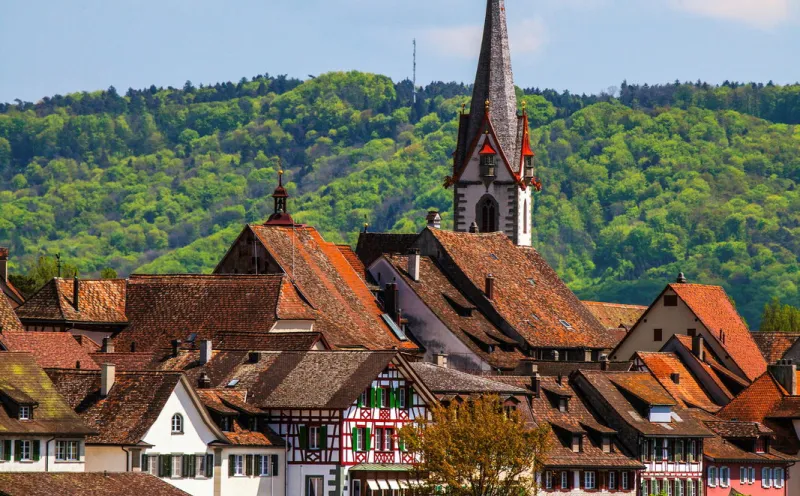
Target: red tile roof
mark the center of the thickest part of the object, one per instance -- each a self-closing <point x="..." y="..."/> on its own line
<point x="86" y="343"/>
<point x="85" y="483"/>
<point x="528" y="294"/>
<point x="714" y="309"/>
<point x="774" y="344"/>
<point x="164" y="308"/>
<point x="687" y="391"/>
<point x="353" y="260"/>
<point x="615" y="315"/>
<point x="755" y="403"/>
<point x="349" y="313"/>
<point x="9" y="322"/>
<point x="50" y="349"/>
<point x="99" y="301"/>
<point x="232" y="402"/>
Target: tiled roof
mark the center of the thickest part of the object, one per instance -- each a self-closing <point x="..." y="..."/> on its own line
<point x="9" y="322"/>
<point x="757" y="402"/>
<point x="617" y="390"/>
<point x="439" y="294"/>
<point x="615" y="315"/>
<point x="164" y="308"/>
<point x="21" y="377"/>
<point x="444" y="380"/>
<point x="371" y="246"/>
<point x="86" y="343"/>
<point x="578" y="418"/>
<point x="11" y="292"/>
<point x="131" y="362"/>
<point x="714" y="309"/>
<point x="717" y="373"/>
<point x="125" y="415"/>
<point x="349" y="315"/>
<point x="528" y="294"/>
<point x="353" y="260"/>
<point x="99" y="301"/>
<point x="86" y="484"/>
<point x="272" y="341"/>
<point x="50" y="349"/>
<point x="687" y="391"/>
<point x="774" y="344"/>
<point x="232" y="402"/>
<point x="565" y="368"/>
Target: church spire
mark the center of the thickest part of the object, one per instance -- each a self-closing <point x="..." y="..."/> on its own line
<point x="280" y="216"/>
<point x="494" y="82"/>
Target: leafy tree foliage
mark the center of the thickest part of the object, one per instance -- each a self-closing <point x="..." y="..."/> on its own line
<point x="640" y="182"/>
<point x="780" y="318"/>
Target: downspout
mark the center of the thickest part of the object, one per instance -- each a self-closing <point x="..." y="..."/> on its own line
<point x="47" y="454"/>
<point x="127" y="461"/>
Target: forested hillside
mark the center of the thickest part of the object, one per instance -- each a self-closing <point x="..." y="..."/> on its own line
<point x="636" y="187"/>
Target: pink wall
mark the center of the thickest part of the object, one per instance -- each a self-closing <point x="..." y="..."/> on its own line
<point x="751" y="489"/>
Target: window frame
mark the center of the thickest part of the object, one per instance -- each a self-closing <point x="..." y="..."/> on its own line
<point x="177" y="418"/>
<point x="63" y="449"/>
<point x="766" y="477"/>
<point x="612" y="480"/>
<point x="624" y="481"/>
<point x="176" y="459"/>
<point x="27" y="412"/>
<point x="711" y="476"/>
<point x="310" y="479"/>
<point x="678" y="490"/>
<point x="152" y="464"/>
<point x="564" y="480"/>
<point x="724" y="476"/>
<point x="314" y="436"/>
<point x="265" y="460"/>
<point x="384" y="398"/>
<point x="401" y="397"/>
<point x="355" y="490"/>
<point x="752" y="477"/>
<point x="671" y="298"/>
<point x="548" y="479"/>
<point x="361" y="443"/>
<point x="775" y="472"/>
<point x="25" y="445"/>
<point x="200" y="466"/>
<point x="658" y="335"/>
<point x="590" y="479"/>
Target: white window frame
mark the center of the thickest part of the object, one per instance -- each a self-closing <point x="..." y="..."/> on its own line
<point x="176" y="424"/>
<point x="778" y="481"/>
<point x="712" y="476"/>
<point x="152" y="465"/>
<point x="388" y="439"/>
<point x="564" y="479"/>
<point x="654" y="486"/>
<point x="67" y="451"/>
<point x="590" y="479"/>
<point x="312" y="478"/>
<point x="384" y="397"/>
<point x="724" y="476"/>
<point x="752" y="477"/>
<point x="176" y="461"/>
<point x="264" y="469"/>
<point x="766" y="477"/>
<point x="364" y="399"/>
<point x="401" y="397"/>
<point x="314" y="437"/>
<point x="200" y="466"/>
<point x="742" y="474"/>
<point x="361" y="443"/>
<point x="612" y="480"/>
<point x="356" y="489"/>
<point x="548" y="479"/>
<point x="25" y="451"/>
<point x="678" y="487"/>
<point x="643" y="488"/>
<point x="238" y="465"/>
<point x="24" y="413"/>
<point x="624" y="483"/>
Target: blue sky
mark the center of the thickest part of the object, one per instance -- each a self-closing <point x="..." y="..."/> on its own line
<point x="57" y="46"/>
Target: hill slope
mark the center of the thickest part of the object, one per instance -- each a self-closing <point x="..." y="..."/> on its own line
<point x="161" y="180"/>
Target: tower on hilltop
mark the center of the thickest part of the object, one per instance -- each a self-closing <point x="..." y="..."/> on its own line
<point x="493" y="162"/>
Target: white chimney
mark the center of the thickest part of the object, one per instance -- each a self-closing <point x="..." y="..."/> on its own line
<point x="205" y="351"/>
<point x="434" y="220"/>
<point x="413" y="263"/>
<point x="441" y="360"/>
<point x="107" y="376"/>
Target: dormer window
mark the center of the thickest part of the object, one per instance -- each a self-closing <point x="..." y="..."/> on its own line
<point x="24" y="413"/>
<point x="563" y="405"/>
<point x="577" y="441"/>
<point x="225" y="423"/>
<point x="487" y="165"/>
<point x="177" y="424"/>
<point x="528" y="167"/>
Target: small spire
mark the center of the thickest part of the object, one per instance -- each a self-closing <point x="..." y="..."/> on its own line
<point x="524" y="107"/>
<point x="487" y="105"/>
<point x="280" y="177"/>
<point x="681" y="278"/>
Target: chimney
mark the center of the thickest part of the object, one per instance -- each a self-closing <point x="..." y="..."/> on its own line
<point x="413" y="264"/>
<point x="391" y="301"/>
<point x="698" y="348"/>
<point x="203" y="382"/>
<point x="76" y="288"/>
<point x="473" y="228"/>
<point x="176" y="346"/>
<point x="205" y="351"/>
<point x="441" y="360"/>
<point x="108" y="345"/>
<point x="434" y="219"/>
<point x="490" y="286"/>
<point x="604" y="362"/>
<point x="3" y="264"/>
<point x="785" y="372"/>
<point x="254" y="357"/>
<point x="536" y="381"/>
<point x="560" y="379"/>
<point x="676" y="377"/>
<point x="107" y="376"/>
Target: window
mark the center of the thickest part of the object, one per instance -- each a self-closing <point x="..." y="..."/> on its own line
<point x="24" y="451"/>
<point x="150" y="463"/>
<point x="363" y="400"/>
<point x="384" y="440"/>
<point x="314" y="438"/>
<point x="548" y="480"/>
<point x="692" y="451"/>
<point x="24" y="413"/>
<point x="766" y="477"/>
<point x="761" y="445"/>
<point x="657" y="334"/>
<point x="564" y="480"/>
<point x="360" y="435"/>
<point x="401" y="398"/>
<point x="690" y="488"/>
<point x="67" y="451"/>
<point x="777" y="477"/>
<point x="177" y="424"/>
<point x="678" y="452"/>
<point x="200" y="465"/>
<point x="487" y="214"/>
<point x="225" y="423"/>
<point x="238" y="464"/>
<point x="724" y="476"/>
<point x="525" y="218"/>
<point x="562" y="405"/>
<point x="624" y="481"/>
<point x="654" y="486"/>
<point x="691" y="332"/>
<point x="263" y="465"/>
<point x="356" y="488"/>
<point x="678" y="488"/>
<point x="384" y="397"/>
<point x="667" y="487"/>
<point x="589" y="479"/>
<point x="752" y="477"/>
<point x="612" y="480"/>
<point x="177" y="466"/>
<point x="712" y="476"/>
<point x="644" y="491"/>
<point x="314" y="485"/>
<point x="743" y="475"/>
<point x="670" y="300"/>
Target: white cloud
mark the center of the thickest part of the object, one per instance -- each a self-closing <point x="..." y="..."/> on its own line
<point x="526" y="36"/>
<point x="763" y="14"/>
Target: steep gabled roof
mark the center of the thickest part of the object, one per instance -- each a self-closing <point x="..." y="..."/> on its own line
<point x="164" y="308"/>
<point x="49" y="349"/>
<point x="86" y="483"/>
<point x="9" y="322"/>
<point x="528" y="294"/>
<point x="353" y="260"/>
<point x="687" y="390"/>
<point x="756" y="403"/>
<point x="615" y="315"/>
<point x="100" y="301"/>
<point x="24" y="381"/>
<point x="371" y="246"/>
<point x="774" y="345"/>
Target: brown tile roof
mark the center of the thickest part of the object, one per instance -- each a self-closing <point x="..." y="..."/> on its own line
<point x="86" y="343"/>
<point x="755" y="403"/>
<point x="439" y="294"/>
<point x="9" y="322"/>
<point x="99" y="301"/>
<point x="50" y="349"/>
<point x="528" y="294"/>
<point x="164" y="308"/>
<point x="22" y="378"/>
<point x="232" y="402"/>
<point x="618" y="389"/>
<point x="687" y="391"/>
<point x="579" y="418"/>
<point x="565" y="368"/>
<point x="353" y="260"/>
<point x="371" y="246"/>
<point x="615" y="315"/>
<point x="272" y="341"/>
<point x="722" y="377"/>
<point x="774" y="344"/>
<point x="85" y="484"/>
<point x="125" y="415"/>
<point x="12" y="293"/>
<point x="349" y="313"/>
<point x="131" y="362"/>
<point x="714" y="309"/>
<point x="445" y="380"/>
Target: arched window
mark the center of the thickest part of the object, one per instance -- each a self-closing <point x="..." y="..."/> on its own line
<point x="525" y="217"/>
<point x="486" y="214"/>
<point x="177" y="424"/>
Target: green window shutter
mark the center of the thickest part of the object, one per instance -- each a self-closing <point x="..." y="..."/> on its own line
<point x="187" y="466"/>
<point x="145" y="464"/>
<point x="359" y="402"/>
<point x="373" y="397"/>
<point x="163" y="466"/>
<point x="354" y="439"/>
<point x="35" y="449"/>
<point x="367" y="439"/>
<point x="259" y="462"/>
<point x="231" y="463"/>
<point x="393" y="398"/>
<point x="303" y="437"/>
<point x="17" y="450"/>
<point x="274" y="465"/>
<point x="248" y="463"/>
<point x="209" y="465"/>
<point x="323" y="437"/>
<point x="7" y="450"/>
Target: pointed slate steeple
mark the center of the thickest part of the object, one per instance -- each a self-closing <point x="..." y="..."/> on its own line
<point x="494" y="82"/>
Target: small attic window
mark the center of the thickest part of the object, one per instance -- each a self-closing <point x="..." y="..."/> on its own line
<point x="394" y="327"/>
<point x="494" y="257"/>
<point x="565" y="324"/>
<point x="532" y="281"/>
<point x="671" y="300"/>
<point x="192" y="338"/>
<point x="233" y="383"/>
<point x="24" y="413"/>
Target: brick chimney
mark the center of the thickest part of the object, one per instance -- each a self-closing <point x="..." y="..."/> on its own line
<point x="4" y="264"/>
<point x="785" y="372"/>
<point x="434" y="219"/>
<point x="536" y="381"/>
<point x="413" y="263"/>
<point x="205" y="351"/>
<point x="203" y="382"/>
<point x="107" y="378"/>
<point x="698" y="347"/>
<point x="489" y="286"/>
<point x="604" y="362"/>
<point x="108" y="345"/>
<point x="391" y="301"/>
<point x="176" y="347"/>
<point x="76" y="288"/>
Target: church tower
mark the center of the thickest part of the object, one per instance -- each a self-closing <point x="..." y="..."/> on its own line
<point x="493" y="162"/>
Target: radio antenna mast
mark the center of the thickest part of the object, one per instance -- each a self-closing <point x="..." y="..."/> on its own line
<point x="414" y="80"/>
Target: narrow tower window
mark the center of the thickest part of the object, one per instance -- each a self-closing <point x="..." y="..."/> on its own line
<point x="486" y="214"/>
